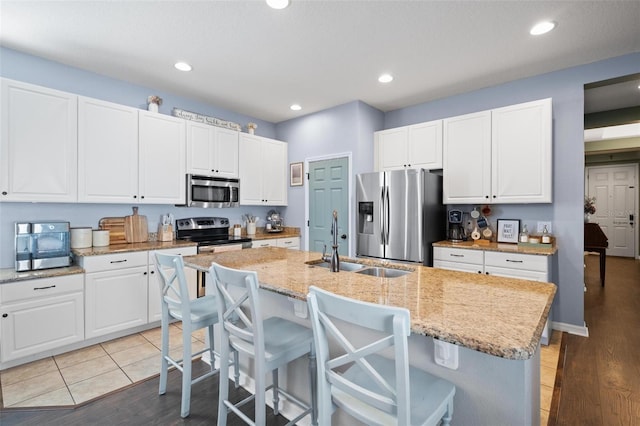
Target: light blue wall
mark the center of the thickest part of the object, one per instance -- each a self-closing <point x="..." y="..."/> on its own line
<point x="31" y="69"/>
<point x="333" y="131"/>
<point x="349" y="128"/>
<point x="342" y="129"/>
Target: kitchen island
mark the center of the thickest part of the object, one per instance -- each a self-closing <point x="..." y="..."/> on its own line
<point x="495" y="323"/>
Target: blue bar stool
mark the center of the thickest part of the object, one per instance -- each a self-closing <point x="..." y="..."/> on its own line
<point x="272" y="343"/>
<point x="374" y="389"/>
<point x="194" y="314"/>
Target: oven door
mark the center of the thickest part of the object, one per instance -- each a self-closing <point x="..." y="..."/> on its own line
<point x="206" y="191"/>
<point x="202" y="276"/>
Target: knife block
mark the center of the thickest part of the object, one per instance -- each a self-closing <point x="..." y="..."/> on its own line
<point x="165" y="233"/>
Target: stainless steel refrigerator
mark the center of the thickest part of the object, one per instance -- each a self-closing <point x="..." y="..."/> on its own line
<point x="400" y="214"/>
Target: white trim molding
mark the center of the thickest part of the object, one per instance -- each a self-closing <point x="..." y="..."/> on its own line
<point x="570" y="328"/>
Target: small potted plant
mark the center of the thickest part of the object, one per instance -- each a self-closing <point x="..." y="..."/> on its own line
<point x="251" y="128"/>
<point x="154" y="102"/>
<point x="589" y="207"/>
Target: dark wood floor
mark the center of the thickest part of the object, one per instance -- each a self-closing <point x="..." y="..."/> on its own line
<point x="601" y="374"/>
<point x="140" y="404"/>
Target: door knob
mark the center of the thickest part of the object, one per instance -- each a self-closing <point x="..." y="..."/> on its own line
<point x="343" y="236"/>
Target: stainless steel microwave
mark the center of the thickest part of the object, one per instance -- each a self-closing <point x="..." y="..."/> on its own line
<point x="207" y="191"/>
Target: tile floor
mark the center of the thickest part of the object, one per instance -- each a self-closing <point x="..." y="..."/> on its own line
<point x="79" y="376"/>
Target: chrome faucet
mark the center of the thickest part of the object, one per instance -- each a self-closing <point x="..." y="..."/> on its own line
<point x="334" y="261"/>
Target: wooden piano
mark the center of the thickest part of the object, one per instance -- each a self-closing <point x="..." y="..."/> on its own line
<point x="595" y="240"/>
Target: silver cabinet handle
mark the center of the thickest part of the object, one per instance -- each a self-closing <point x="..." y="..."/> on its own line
<point x="515" y="261"/>
<point x="456" y="255"/>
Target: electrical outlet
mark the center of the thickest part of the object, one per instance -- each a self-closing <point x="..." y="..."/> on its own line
<point x="541" y="226"/>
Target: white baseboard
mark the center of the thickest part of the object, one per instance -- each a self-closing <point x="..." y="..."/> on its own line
<point x="570" y="328"/>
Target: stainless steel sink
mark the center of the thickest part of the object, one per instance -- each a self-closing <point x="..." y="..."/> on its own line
<point x="344" y="266"/>
<point x="383" y="272"/>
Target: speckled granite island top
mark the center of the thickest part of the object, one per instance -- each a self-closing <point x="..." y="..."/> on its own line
<point x="498" y="316"/>
<point x="502" y="247"/>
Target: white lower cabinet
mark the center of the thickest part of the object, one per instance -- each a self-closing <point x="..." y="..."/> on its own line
<point x="116" y="288"/>
<point x="40" y="315"/>
<point x="289" y="242"/>
<point x="511" y="265"/>
<point x="154" y="305"/>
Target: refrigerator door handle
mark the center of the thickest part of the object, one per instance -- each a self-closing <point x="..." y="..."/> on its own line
<point x="381" y="215"/>
<point x="386" y="216"/>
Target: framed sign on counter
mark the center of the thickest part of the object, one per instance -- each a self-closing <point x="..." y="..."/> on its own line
<point x="508" y="230"/>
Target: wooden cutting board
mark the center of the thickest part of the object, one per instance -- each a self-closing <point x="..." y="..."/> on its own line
<point x="136" y="229"/>
<point x="115" y="226"/>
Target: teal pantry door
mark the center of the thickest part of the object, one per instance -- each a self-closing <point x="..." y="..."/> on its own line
<point x="328" y="191"/>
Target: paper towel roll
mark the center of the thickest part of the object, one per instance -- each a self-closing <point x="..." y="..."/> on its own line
<point x="81" y="237"/>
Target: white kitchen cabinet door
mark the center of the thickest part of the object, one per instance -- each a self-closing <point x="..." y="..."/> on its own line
<point x="458" y="266"/>
<point x="162" y="159"/>
<point x="521" y="153"/>
<point x="40" y="315"/>
<point x="392" y="149"/>
<point x="454" y="259"/>
<point x="38" y="139"/>
<point x="264" y="243"/>
<point x="115" y="300"/>
<point x="263" y="171"/>
<point x="467" y="159"/>
<point x="107" y="152"/>
<point x="416" y="146"/>
<point x="212" y="151"/>
<point x="154" y="306"/>
<point x="424" y="145"/>
<point x="292" y="243"/>
<point x="275" y="171"/>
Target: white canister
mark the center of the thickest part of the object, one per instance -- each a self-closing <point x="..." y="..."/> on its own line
<point x="100" y="237"/>
<point x="81" y="237"/>
<point x="251" y="228"/>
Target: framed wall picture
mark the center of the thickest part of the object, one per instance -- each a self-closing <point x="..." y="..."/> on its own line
<point x="296" y="174"/>
<point x="508" y="230"/>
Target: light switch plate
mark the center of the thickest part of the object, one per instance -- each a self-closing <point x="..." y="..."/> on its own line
<point x="541" y="227"/>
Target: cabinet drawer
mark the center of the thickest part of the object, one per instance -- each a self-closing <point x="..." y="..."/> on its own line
<point x="530" y="262"/>
<point x="458" y="266"/>
<point x="109" y="262"/>
<point x="44" y="287"/>
<point x="288" y="242"/>
<point x="458" y="255"/>
<point x="517" y="273"/>
<point x="264" y="243"/>
<point x="183" y="251"/>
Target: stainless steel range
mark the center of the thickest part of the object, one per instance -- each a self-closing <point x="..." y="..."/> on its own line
<point x="212" y="236"/>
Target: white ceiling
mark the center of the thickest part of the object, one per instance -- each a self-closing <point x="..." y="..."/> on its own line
<point x="257" y="61"/>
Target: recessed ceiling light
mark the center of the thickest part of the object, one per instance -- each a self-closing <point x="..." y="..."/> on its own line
<point x="295" y="107"/>
<point x="385" y="78"/>
<point x="542" y="28"/>
<point x="278" y="4"/>
<point x="182" y="66"/>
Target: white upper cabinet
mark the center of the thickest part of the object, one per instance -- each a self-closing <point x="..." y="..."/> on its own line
<point x="127" y="155"/>
<point x="212" y="151"/>
<point x="107" y="152"/>
<point x="263" y="171"/>
<point x="467" y="159"/>
<point x="499" y="156"/>
<point x="521" y="166"/>
<point x="38" y="144"/>
<point x="415" y="146"/>
<point x="162" y="164"/>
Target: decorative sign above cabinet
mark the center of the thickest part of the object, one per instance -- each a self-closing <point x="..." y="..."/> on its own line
<point x="194" y="116"/>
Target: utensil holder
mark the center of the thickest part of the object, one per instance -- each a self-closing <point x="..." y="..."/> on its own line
<point x="165" y="233"/>
<point x="251" y="228"/>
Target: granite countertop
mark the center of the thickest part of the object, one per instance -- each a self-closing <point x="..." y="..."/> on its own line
<point x="8" y="275"/>
<point x="124" y="248"/>
<point x="495" y="315"/>
<point x="547" y="250"/>
<point x="287" y="232"/>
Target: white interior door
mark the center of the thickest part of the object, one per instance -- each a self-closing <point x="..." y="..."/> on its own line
<point x="615" y="190"/>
